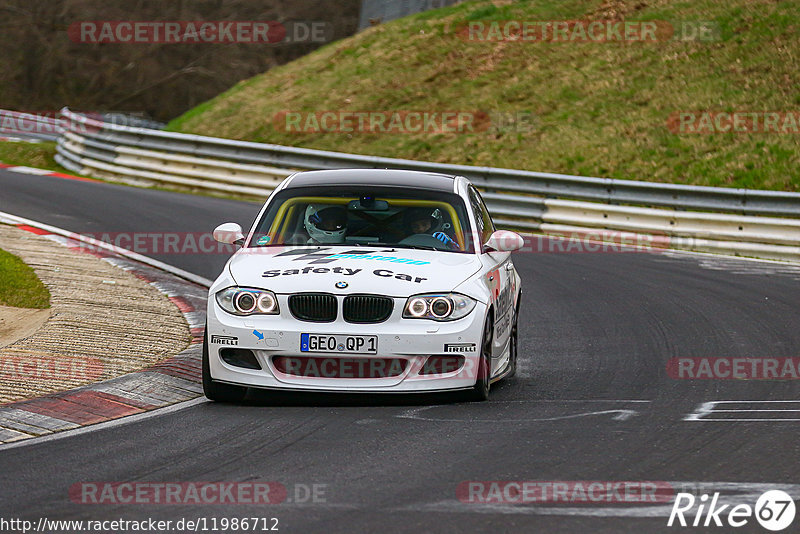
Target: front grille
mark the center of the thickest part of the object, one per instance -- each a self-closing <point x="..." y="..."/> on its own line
<point x="367" y="308"/>
<point x="335" y="367"/>
<point x="314" y="307"/>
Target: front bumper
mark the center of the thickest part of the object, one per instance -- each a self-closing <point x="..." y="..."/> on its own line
<point x="412" y="340"/>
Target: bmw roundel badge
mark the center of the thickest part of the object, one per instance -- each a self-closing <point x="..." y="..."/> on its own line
<point x="341" y="285"/>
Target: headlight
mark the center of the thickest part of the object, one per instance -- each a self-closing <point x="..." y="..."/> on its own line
<point x="243" y="301"/>
<point x="440" y="307"/>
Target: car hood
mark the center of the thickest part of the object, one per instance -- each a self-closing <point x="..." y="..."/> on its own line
<point x="395" y="272"/>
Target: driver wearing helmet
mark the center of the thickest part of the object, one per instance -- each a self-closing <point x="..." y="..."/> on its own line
<point x="428" y="222"/>
<point x="326" y="224"/>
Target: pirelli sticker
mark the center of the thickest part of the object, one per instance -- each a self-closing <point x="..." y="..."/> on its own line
<point x="460" y="347"/>
<point x="224" y="340"/>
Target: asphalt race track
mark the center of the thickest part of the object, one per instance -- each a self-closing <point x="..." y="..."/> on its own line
<point x="592" y="400"/>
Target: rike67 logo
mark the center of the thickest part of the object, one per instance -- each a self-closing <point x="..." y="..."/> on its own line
<point x="774" y="510"/>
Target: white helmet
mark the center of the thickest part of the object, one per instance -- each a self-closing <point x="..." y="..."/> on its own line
<point x="327" y="224"/>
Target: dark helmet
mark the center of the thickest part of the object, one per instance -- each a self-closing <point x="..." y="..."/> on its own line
<point x="432" y="215"/>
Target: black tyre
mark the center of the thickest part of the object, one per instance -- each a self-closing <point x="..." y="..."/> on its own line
<point x="214" y="390"/>
<point x="480" y="391"/>
<point x="513" y="347"/>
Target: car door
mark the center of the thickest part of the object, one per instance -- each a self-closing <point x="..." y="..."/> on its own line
<point x="500" y="278"/>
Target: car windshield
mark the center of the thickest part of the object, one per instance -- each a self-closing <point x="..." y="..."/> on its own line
<point x="365" y="216"/>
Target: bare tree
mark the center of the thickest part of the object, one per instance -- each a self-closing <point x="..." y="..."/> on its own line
<point x="41" y="68"/>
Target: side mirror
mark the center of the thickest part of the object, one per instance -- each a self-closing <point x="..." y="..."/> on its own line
<point x="503" y="241"/>
<point x="230" y="233"/>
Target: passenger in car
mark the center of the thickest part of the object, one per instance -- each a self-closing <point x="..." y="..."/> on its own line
<point x="427" y="221"/>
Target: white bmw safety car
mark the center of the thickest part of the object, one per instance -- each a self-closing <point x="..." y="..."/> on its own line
<point x="365" y="281"/>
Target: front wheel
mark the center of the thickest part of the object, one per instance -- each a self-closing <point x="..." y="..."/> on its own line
<point x="513" y="350"/>
<point x="480" y="391"/>
<point x="214" y="390"/>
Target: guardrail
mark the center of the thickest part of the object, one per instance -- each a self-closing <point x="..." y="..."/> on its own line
<point x="741" y="221"/>
<point x="742" y="201"/>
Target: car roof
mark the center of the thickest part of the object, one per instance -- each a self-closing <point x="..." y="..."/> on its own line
<point x="374" y="177"/>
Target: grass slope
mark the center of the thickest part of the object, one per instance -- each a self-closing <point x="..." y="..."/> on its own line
<point x="598" y="109"/>
<point x="19" y="285"/>
<point x="39" y="155"/>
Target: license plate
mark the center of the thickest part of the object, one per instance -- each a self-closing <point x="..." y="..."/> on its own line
<point x="339" y="343"/>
